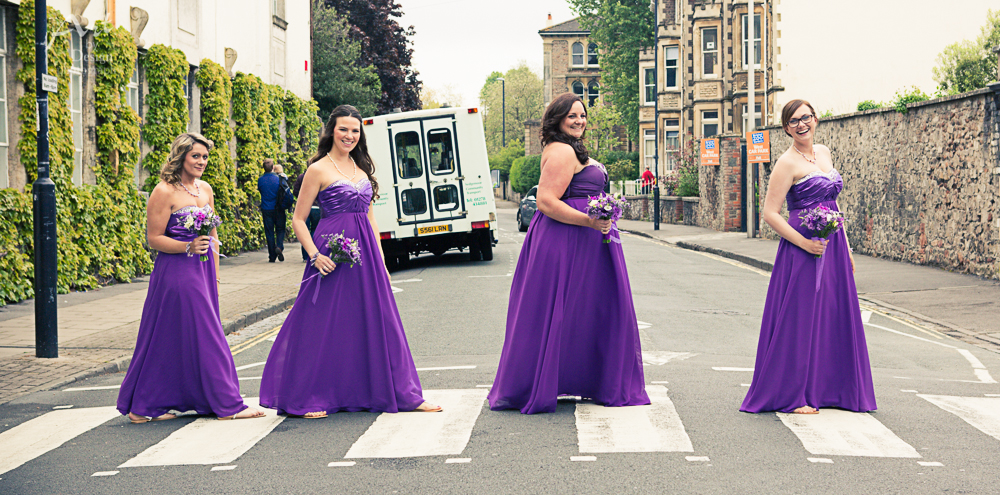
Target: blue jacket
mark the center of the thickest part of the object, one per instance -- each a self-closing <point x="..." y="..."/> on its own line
<point x="268" y="185"/>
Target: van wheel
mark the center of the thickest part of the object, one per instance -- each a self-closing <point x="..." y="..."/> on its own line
<point x="475" y="252"/>
<point x="486" y="245"/>
<point x="402" y="260"/>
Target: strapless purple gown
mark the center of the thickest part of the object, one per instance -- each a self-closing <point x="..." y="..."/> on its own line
<point x="346" y="351"/>
<point x="181" y="360"/>
<point x="812" y="347"/>
<point x="571" y="325"/>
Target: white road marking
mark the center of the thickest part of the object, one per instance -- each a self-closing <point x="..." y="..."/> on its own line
<point x="33" y="438"/>
<point x="209" y="441"/>
<point x="245" y="378"/>
<point x="652" y="428"/>
<point x="659" y="383"/>
<point x="726" y="368"/>
<point x="484" y="386"/>
<point x="658" y="358"/>
<point x="582" y="458"/>
<point x="87" y="389"/>
<point x="416" y="434"/>
<point x="973" y="360"/>
<point x="251" y="365"/>
<point x="63" y="407"/>
<point x="909" y="391"/>
<point x="839" y="432"/>
<point x="992" y="395"/>
<point x="819" y="460"/>
<point x="409" y="280"/>
<point x="105" y="473"/>
<point x="439" y="368"/>
<point x="865" y="316"/>
<point x="984" y="376"/>
<point x="697" y="458"/>
<point x="458" y="460"/>
<point x="980" y="412"/>
<point x="273" y="338"/>
<point x="909" y="335"/>
<point x="930" y="464"/>
<point x="643" y="325"/>
<point x="396" y="289"/>
<point x="492" y="276"/>
<point x="341" y="464"/>
<point x="223" y="468"/>
<point x="744" y="384"/>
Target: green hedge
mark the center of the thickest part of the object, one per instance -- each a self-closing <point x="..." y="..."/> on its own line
<point x="525" y="172"/>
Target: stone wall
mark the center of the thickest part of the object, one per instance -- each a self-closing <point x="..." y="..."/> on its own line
<point x="673" y="209"/>
<point x="720" y="188"/>
<point x="921" y="187"/>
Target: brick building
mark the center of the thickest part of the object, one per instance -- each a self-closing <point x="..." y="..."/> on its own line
<point x="701" y="74"/>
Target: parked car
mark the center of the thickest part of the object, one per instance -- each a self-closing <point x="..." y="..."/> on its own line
<point x="527" y="209"/>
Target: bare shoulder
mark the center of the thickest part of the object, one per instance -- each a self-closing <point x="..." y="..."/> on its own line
<point x="162" y="197"/>
<point x="822" y="149"/>
<point x="205" y="185"/>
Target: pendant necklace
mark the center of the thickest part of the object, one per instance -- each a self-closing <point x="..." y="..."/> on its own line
<point x="338" y="167"/>
<point x="196" y="188"/>
<point x="810" y="160"/>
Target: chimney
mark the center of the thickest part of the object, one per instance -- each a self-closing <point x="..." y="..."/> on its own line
<point x="548" y="23"/>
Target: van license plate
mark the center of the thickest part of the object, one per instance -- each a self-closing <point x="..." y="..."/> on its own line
<point x="433" y="229"/>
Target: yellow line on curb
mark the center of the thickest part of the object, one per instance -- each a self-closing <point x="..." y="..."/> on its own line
<point x="914" y="326"/>
<point x="242" y="346"/>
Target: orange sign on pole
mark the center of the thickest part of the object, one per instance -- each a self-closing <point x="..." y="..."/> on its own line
<point x="709" y="151"/>
<point x="758" y="147"/>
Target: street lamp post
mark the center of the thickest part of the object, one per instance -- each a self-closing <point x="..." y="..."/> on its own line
<point x="656" y="120"/>
<point x="503" y="131"/>
<point x="44" y="198"/>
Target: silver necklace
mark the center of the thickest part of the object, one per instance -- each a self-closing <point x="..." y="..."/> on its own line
<point x="338" y="167"/>
<point x="810" y="160"/>
<point x="196" y="188"/>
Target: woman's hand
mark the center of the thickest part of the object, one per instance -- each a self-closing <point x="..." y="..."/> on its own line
<point x="200" y="245"/>
<point x="814" y="247"/>
<point x="324" y="264"/>
<point x="603" y="226"/>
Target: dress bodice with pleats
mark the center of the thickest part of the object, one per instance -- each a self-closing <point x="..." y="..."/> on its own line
<point x="588" y="182"/>
<point x="345" y="196"/>
<point x="813" y="189"/>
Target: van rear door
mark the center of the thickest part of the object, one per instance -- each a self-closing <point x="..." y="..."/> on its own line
<point x="426" y="172"/>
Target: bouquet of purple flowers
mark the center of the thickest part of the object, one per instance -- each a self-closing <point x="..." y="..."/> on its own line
<point x="822" y="221"/>
<point x="343" y="249"/>
<point x="606" y="207"/>
<point x="201" y="221"/>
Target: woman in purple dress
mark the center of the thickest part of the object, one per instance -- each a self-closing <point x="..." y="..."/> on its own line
<point x="342" y="346"/>
<point x="812" y="350"/>
<point x="182" y="361"/>
<point x="571" y="325"/>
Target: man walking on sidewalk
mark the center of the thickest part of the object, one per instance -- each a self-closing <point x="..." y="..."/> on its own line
<point x="269" y="184"/>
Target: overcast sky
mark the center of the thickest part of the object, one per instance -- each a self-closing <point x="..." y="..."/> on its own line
<point x="460" y="42"/>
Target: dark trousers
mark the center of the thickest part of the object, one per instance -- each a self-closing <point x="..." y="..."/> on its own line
<point x="274" y="232"/>
<point x="311" y="222"/>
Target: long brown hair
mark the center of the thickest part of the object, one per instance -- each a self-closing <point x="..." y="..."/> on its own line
<point x="551" y="132"/>
<point x="360" y="152"/>
<point x="790" y="108"/>
<point x="171" y="171"/>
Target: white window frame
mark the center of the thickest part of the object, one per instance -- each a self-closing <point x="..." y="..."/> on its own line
<point x="648" y="86"/>
<point x="713" y="51"/>
<point x="583" y="89"/>
<point x="132" y="89"/>
<point x="671" y="143"/>
<point x="5" y="131"/>
<point x="706" y="120"/>
<point x="758" y="117"/>
<point x="592" y="53"/>
<point x="649" y="147"/>
<point x="671" y="69"/>
<point x="593" y="93"/>
<point x="75" y="98"/>
<point x="573" y="53"/>
<point x="756" y="40"/>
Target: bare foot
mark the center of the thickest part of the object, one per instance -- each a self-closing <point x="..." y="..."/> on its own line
<point x="248" y="413"/>
<point x="806" y="410"/>
<point x="137" y="419"/>
<point x="315" y="415"/>
<point x="428" y="407"/>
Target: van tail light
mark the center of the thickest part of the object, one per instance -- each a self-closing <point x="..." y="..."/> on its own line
<point x="369" y="121"/>
<point x="387" y="235"/>
<point x="480" y="225"/>
<point x="473" y="110"/>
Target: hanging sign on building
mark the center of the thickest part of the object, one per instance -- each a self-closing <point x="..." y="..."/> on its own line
<point x="709" y="151"/>
<point x="758" y="147"/>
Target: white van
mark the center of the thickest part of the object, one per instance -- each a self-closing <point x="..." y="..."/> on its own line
<point x="435" y="192"/>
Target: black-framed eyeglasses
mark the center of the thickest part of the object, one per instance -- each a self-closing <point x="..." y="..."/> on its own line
<point x="805" y="119"/>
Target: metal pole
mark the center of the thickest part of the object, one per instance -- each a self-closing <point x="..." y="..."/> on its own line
<point x="749" y="126"/>
<point x="656" y="117"/>
<point x="44" y="198"/>
<point x="503" y="86"/>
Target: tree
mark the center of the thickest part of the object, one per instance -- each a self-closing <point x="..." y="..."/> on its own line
<point x="503" y="159"/>
<point x="969" y="65"/>
<point x="524" y="173"/>
<point x="621" y="28"/>
<point x="337" y="76"/>
<point x="602" y="119"/>
<point x="523" y="102"/>
<point x="384" y="45"/>
<point x="437" y="98"/>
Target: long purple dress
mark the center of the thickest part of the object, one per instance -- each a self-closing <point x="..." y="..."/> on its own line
<point x="812" y="347"/>
<point x="345" y="350"/>
<point x="181" y="360"/>
<point x="571" y="325"/>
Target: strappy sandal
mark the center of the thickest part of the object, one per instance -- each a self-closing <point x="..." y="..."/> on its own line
<point x="260" y="414"/>
<point x="315" y="415"/>
<point x="138" y="420"/>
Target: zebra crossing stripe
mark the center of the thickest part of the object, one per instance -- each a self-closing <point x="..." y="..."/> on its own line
<point x="419" y="434"/>
<point x="981" y="412"/>
<point x="652" y="428"/>
<point x="839" y="432"/>
<point x="33" y="438"/>
<point x="209" y="441"/>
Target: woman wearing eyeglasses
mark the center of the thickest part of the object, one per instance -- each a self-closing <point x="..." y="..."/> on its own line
<point x="812" y="352"/>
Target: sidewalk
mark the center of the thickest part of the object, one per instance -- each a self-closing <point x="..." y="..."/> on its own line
<point x="97" y="329"/>
<point x="963" y="306"/>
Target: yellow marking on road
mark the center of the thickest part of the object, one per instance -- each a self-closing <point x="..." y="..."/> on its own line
<point x="242" y="346"/>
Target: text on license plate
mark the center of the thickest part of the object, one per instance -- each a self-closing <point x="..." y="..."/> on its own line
<point x="433" y="229"/>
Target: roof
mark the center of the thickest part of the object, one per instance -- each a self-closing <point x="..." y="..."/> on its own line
<point x="571" y="26"/>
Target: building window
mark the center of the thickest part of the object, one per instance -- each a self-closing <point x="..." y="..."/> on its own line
<point x="649" y="148"/>
<point x="4" y="140"/>
<point x="649" y="86"/>
<point x="577" y="54"/>
<point x="578" y="89"/>
<point x="132" y="96"/>
<point x="593" y="93"/>
<point x="76" y="104"/>
<point x="592" y="54"/>
<point x="188" y="94"/>
<point x="709" y="51"/>
<point x="757" y="123"/>
<point x="671" y="143"/>
<point x="278" y="8"/>
<point x="670" y="68"/>
<point x="756" y="41"/>
<point x="709" y="123"/>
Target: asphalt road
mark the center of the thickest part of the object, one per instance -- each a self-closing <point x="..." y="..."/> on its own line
<point x="937" y="427"/>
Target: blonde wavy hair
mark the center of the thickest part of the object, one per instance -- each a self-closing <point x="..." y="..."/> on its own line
<point x="171" y="171"/>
